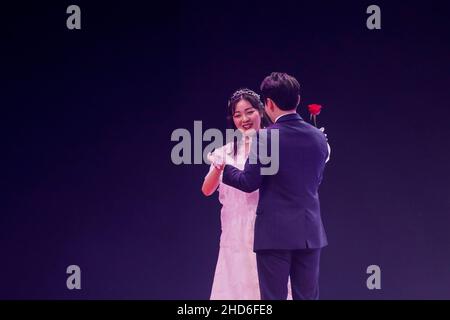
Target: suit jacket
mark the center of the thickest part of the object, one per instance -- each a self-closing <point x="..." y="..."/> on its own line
<point x="288" y="212"/>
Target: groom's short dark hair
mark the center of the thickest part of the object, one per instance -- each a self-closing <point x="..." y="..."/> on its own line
<point x="282" y="88"/>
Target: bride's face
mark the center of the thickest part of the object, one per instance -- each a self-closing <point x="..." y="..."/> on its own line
<point x="246" y="117"/>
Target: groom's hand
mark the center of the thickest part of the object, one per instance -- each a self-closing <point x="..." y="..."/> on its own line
<point x="323" y="131"/>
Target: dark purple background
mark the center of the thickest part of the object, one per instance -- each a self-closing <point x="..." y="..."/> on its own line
<point x="87" y="117"/>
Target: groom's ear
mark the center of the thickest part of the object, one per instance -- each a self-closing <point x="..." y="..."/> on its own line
<point x="270" y="104"/>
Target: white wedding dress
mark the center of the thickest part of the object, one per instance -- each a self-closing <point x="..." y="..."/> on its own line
<point x="236" y="276"/>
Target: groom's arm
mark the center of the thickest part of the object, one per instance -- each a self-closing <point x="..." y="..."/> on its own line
<point x="247" y="180"/>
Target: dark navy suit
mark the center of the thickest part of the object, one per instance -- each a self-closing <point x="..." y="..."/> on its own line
<point x="288" y="227"/>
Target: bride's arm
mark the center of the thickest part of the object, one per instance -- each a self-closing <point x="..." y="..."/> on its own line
<point x="329" y="153"/>
<point x="211" y="181"/>
<point x="328" y="145"/>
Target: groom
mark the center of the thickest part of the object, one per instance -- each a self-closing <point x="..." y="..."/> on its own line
<point x="288" y="229"/>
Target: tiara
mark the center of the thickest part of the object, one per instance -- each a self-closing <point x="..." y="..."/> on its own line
<point x="243" y="91"/>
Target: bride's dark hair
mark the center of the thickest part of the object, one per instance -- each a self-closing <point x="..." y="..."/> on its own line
<point x="254" y="99"/>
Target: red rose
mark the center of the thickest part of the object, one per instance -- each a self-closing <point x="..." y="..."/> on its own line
<point x="314" y="109"/>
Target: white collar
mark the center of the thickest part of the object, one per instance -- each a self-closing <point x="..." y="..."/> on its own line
<point x="285" y="114"/>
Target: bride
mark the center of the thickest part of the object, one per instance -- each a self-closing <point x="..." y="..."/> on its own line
<point x="236" y="276"/>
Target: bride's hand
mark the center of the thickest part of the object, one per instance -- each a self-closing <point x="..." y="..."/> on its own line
<point x="219" y="166"/>
<point x="323" y="130"/>
<point x="328" y="145"/>
<point x="217" y="162"/>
